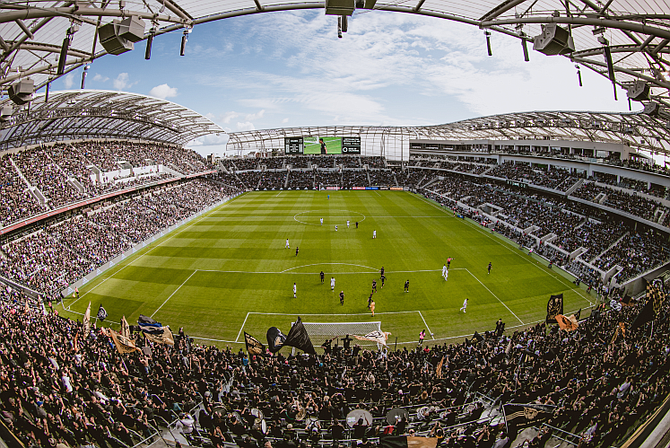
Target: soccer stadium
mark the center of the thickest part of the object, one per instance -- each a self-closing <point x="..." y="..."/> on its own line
<point x="493" y="282"/>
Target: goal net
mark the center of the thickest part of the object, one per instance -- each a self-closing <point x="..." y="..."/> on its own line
<point x="320" y="331"/>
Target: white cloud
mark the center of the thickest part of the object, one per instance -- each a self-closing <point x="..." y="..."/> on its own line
<point x="122" y="81"/>
<point x="285" y="120"/>
<point x="163" y="91"/>
<point x="69" y="80"/>
<point x="229" y="116"/>
<point x="246" y="126"/>
<point x="251" y="117"/>
<point x="98" y="77"/>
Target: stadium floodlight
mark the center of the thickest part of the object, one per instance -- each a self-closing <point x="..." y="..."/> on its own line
<point x="554" y="40"/>
<point x="339" y="27"/>
<point x="62" y="58"/>
<point x="118" y="37"/>
<point x="83" y="76"/>
<point x="182" y="46"/>
<point x="21" y="92"/>
<point x="524" y="46"/>
<point x="579" y="75"/>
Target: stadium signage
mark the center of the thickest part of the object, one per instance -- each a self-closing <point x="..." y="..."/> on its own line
<point x="372" y="188"/>
<point x="358" y="188"/>
<point x="332" y="188"/>
<point x="517" y="184"/>
<point x="397" y="188"/>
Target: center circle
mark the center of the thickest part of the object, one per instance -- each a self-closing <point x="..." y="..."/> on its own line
<point x="330" y="217"/>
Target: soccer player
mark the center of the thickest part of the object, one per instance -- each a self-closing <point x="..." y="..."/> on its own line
<point x="489" y="267"/>
<point x="357" y="224"/>
<point x="446" y="275"/>
<point x="407" y="286"/>
<point x="372" y="308"/>
<point x="321" y="221"/>
<point x="336" y="227"/>
<point x="374" y="285"/>
<point x="322" y="275"/>
<point x="465" y="305"/>
<point x="295" y="290"/>
<point x="347" y="223"/>
<point x="381" y="272"/>
<point x="449" y="262"/>
<point x="422" y="335"/>
<point x="341" y="297"/>
<point x="287" y="245"/>
<point x="297" y="249"/>
<point x="332" y="283"/>
<point x="370" y="299"/>
<point x="374" y="234"/>
<point x="444" y="270"/>
<point x="383" y="279"/>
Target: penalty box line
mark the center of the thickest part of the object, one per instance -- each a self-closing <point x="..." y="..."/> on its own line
<point x="237" y="339"/>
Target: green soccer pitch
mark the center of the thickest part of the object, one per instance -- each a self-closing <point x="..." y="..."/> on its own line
<point x="228" y="271"/>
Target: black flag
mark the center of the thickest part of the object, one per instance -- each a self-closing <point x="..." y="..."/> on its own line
<point x="148" y="325"/>
<point x="646" y="315"/>
<point x="275" y="339"/>
<point x="102" y="313"/>
<point x="554" y="307"/>
<point x="299" y="338"/>
<point x="254" y="346"/>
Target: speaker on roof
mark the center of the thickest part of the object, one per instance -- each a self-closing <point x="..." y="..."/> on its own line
<point x="554" y="40"/>
<point x="117" y="37"/>
<point x="638" y="91"/>
<point x="21" y="92"/>
<point x="652" y="109"/>
<point x="6" y="113"/>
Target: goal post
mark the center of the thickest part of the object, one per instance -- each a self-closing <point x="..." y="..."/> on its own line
<point x="320" y="331"/>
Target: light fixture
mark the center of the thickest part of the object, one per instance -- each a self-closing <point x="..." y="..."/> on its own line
<point x="487" y="33"/>
<point x="150" y="42"/>
<point x="184" y="39"/>
<point x="579" y="75"/>
<point x="339" y="27"/>
<point x="83" y="76"/>
<point x="62" y="59"/>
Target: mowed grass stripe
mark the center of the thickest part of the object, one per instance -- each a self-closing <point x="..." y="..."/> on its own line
<point x="194" y="268"/>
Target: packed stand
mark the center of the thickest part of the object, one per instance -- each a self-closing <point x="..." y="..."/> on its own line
<point x="62" y="384"/>
<point x="381" y="178"/>
<point x="17" y="202"/>
<point x="58" y="255"/>
<point x="301" y="179"/>
<point x="630" y="203"/>
<point x="636" y="253"/>
<point x="351" y="178"/>
<point x="556" y="178"/>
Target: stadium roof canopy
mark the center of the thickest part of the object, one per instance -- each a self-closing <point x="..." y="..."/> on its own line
<point x="635" y="33"/>
<point x="83" y="114"/>
<point x="645" y="134"/>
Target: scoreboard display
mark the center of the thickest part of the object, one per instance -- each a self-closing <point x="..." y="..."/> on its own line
<point x="293" y="145"/>
<point x="322" y="145"/>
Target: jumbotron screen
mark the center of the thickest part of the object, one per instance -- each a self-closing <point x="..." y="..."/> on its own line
<point x="322" y="145"/>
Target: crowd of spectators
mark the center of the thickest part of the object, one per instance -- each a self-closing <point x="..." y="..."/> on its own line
<point x="301" y="179"/>
<point x="620" y="200"/>
<point x="636" y="253"/>
<point x="555" y="178"/>
<point x="62" y="384"/>
<point x="59" y="254"/>
<point x="64" y="172"/>
<point x="355" y="178"/>
<point x="381" y="177"/>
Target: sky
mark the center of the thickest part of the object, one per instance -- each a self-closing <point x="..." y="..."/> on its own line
<point x="287" y="69"/>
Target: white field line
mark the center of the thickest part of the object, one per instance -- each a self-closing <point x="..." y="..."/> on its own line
<point x="175" y="292"/>
<point x="242" y="328"/>
<point x="491" y="292"/>
<point x="427" y="327"/>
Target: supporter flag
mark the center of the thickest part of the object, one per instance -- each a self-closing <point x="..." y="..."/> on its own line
<point x="298" y="338"/>
<point x="646" y="315"/>
<point x="87" y="318"/>
<point x="525" y="415"/>
<point x="125" y="328"/>
<point x="567" y="323"/>
<point x="254" y="346"/>
<point x="655" y="298"/>
<point x="123" y="344"/>
<point x="554" y="307"/>
<point x="438" y="369"/>
<point x="102" y="313"/>
<point x="275" y="339"/>
<point x="148" y="325"/>
<point x="408" y="442"/>
<point x="164" y="337"/>
<point x="377" y="336"/>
